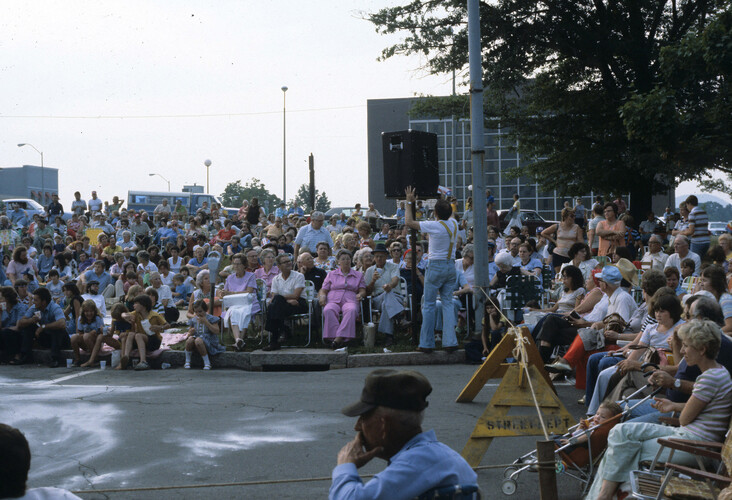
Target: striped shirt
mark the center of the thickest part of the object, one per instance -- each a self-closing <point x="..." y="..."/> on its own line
<point x="699" y="218"/>
<point x="713" y="387"/>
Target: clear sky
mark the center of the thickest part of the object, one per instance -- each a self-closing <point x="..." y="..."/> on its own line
<point x="113" y="91"/>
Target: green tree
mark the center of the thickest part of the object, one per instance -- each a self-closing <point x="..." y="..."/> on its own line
<point x="688" y="113"/>
<point x="557" y="76"/>
<point x="235" y="193"/>
<point x="322" y="203"/>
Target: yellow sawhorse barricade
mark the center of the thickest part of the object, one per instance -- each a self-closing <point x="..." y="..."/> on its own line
<point x="524" y="384"/>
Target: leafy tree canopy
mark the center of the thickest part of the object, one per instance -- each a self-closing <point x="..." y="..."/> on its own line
<point x="559" y="75"/>
<point x="322" y="203"/>
<point x="235" y="193"/>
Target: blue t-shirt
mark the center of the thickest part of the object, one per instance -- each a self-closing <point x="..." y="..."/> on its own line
<point x="50" y="314"/>
<point x="104" y="280"/>
<point x="84" y="327"/>
<point x="11" y="317"/>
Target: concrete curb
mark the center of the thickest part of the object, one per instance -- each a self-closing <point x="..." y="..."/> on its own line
<point x="294" y="359"/>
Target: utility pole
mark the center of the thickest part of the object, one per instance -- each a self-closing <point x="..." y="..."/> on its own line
<point x="311" y="165"/>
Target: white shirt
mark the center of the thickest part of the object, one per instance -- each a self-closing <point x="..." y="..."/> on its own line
<point x="282" y="286"/>
<point x="165" y="293"/>
<point x="440" y="239"/>
<point x="469" y="273"/>
<point x="621" y="302"/>
<point x="675" y="261"/>
<point x="95" y="205"/>
<point x="386" y="274"/>
<point x="657" y="260"/>
<point x="98" y="300"/>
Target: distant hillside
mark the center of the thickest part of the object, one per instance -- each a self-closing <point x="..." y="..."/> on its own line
<point x="704" y="198"/>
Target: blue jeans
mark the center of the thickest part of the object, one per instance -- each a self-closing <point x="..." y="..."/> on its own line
<point x="700" y="250"/>
<point x="644" y="412"/>
<point x="439" y="278"/>
<point x="597" y="363"/>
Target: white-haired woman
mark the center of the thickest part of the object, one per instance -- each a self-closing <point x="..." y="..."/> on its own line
<point x="705" y="416"/>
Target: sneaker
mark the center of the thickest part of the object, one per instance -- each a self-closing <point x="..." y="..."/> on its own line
<point x="581" y="401"/>
<point x="239" y="345"/>
<point x="559" y="366"/>
<point x="142" y="365"/>
<point x="187" y="366"/>
<point x="206" y="367"/>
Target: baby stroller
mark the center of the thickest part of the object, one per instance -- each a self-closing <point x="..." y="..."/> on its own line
<point x="578" y="462"/>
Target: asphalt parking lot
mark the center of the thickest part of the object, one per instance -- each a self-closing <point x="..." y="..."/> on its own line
<point x="107" y="430"/>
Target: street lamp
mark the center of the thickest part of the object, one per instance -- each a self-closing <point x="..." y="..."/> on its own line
<point x="43" y="185"/>
<point x="166" y="180"/>
<point x="284" y="144"/>
<point x="208" y="164"/>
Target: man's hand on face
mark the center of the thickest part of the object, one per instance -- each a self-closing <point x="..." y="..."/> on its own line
<point x="354" y="452"/>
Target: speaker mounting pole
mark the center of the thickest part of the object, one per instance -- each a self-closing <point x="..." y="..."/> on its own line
<point x="477" y="156"/>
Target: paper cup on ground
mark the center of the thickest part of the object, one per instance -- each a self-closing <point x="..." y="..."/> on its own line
<point x="68" y="363"/>
<point x="103" y="365"/>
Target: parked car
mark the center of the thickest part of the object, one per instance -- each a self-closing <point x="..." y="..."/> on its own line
<point x="530" y="218"/>
<point x="717" y="228"/>
<point x="31" y="207"/>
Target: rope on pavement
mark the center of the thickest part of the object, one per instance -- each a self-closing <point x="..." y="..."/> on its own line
<point x="275" y="481"/>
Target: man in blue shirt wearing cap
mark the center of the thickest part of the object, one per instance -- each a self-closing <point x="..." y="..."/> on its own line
<point x="389" y="426"/>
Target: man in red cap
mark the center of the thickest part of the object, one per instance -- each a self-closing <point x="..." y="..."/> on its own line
<point x="389" y="426"/>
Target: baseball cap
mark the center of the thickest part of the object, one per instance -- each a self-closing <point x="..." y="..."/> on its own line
<point x="401" y="390"/>
<point x="610" y="275"/>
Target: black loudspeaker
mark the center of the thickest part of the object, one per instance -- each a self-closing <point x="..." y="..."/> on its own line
<point x="410" y="159"/>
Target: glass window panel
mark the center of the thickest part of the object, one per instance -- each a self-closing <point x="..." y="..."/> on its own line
<point x="507" y="192"/>
<point x="508" y="163"/>
<point x="491" y="153"/>
<point x="527" y="191"/>
<point x="491" y="178"/>
<point x="420" y="126"/>
<point x="528" y="204"/>
<point x="491" y="141"/>
<point x="545" y="204"/>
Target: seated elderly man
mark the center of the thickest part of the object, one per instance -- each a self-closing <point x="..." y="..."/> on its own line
<point x="163" y="210"/>
<point x="306" y="265"/>
<point x="288" y="298"/>
<point x="390" y="413"/>
<point x="275" y="230"/>
<point x="655" y="255"/>
<point x="513" y="250"/>
<point x="310" y="235"/>
<point x="681" y="246"/>
<point x="382" y="283"/>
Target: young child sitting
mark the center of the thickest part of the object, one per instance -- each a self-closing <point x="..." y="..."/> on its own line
<point x="181" y="291"/>
<point x="688" y="268"/>
<point x="364" y="232"/>
<point x="203" y="334"/>
<point x="119" y="327"/>
<point x="497" y="326"/>
<point x="147" y="327"/>
<point x="579" y="438"/>
<point x="88" y="326"/>
<point x="55" y="286"/>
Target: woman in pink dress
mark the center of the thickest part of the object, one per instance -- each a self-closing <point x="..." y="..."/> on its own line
<point x="342" y="291"/>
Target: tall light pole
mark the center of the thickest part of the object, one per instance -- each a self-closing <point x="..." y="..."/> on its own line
<point x="43" y="184"/>
<point x="284" y="144"/>
<point x="208" y="164"/>
<point x="166" y="180"/>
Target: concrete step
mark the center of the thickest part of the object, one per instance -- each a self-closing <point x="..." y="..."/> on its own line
<point x="289" y="359"/>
